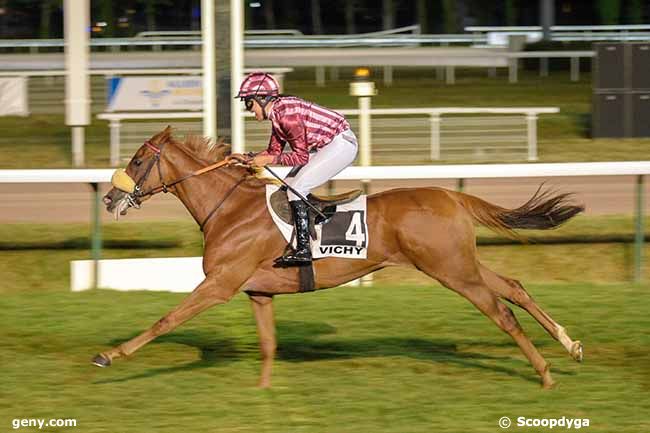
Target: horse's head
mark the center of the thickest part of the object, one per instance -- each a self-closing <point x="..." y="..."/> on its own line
<point x="134" y="184"/>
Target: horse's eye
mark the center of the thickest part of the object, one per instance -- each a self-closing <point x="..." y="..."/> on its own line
<point x="137" y="162"/>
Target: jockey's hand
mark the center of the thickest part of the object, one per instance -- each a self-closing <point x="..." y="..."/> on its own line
<point x="239" y="158"/>
<point x="262" y="160"/>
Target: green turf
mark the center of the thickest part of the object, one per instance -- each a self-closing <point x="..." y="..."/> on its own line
<point x="381" y="359"/>
<point x="403" y="356"/>
<point x="43" y="141"/>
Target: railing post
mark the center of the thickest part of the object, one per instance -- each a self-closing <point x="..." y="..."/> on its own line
<point x="365" y="142"/>
<point x="575" y="68"/>
<point x="543" y="67"/>
<point x="334" y="73"/>
<point x="388" y="76"/>
<point x="114" y="126"/>
<point x="96" y="235"/>
<point x="434" y="120"/>
<point x="639" y="238"/>
<point x="320" y="76"/>
<point x="531" y="123"/>
<point x="513" y="66"/>
<point x="450" y="75"/>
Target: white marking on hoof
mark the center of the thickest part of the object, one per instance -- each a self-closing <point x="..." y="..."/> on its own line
<point x="577" y="351"/>
<point x="564" y="339"/>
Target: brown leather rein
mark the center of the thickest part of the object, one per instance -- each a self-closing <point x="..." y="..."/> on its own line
<point x="164" y="187"/>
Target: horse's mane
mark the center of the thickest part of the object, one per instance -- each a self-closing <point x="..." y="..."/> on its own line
<point x="203" y="148"/>
<point x="208" y="151"/>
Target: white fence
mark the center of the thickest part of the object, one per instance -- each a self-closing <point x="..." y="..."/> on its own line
<point x="407" y="135"/>
<point x="89" y="274"/>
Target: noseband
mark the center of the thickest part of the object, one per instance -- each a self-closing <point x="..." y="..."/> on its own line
<point x="138" y="193"/>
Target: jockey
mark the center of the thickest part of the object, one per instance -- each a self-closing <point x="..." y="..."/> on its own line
<point x="322" y="145"/>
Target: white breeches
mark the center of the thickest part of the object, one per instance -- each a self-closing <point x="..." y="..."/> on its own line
<point x="323" y="165"/>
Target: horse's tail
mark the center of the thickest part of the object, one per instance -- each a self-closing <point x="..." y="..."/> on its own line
<point x="544" y="210"/>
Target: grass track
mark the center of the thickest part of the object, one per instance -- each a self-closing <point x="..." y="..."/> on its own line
<point x="386" y="359"/>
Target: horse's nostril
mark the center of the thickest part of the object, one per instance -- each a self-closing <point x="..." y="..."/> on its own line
<point x="107" y="200"/>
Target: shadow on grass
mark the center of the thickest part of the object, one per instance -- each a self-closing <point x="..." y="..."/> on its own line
<point x="212" y="352"/>
<point x="301" y="342"/>
<point x="83" y="243"/>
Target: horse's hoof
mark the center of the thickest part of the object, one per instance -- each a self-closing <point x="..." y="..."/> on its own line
<point x="101" y="361"/>
<point x="577" y="351"/>
<point x="550" y="384"/>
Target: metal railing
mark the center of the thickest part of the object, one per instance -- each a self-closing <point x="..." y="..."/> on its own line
<point x="415" y="134"/>
<point x="622" y="33"/>
<point x="475" y="35"/>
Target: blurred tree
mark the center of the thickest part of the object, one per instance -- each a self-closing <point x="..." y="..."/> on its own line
<point x="609" y="11"/>
<point x="291" y="17"/>
<point x="3" y="17"/>
<point x="249" y="18"/>
<point x="269" y="14"/>
<point x="316" y="21"/>
<point x="422" y="16"/>
<point x="511" y="12"/>
<point x="195" y="14"/>
<point x="350" y="8"/>
<point x="634" y="12"/>
<point x="150" y="9"/>
<point x="388" y="14"/>
<point x="47" y="7"/>
<point x="106" y="15"/>
<point x="450" y="18"/>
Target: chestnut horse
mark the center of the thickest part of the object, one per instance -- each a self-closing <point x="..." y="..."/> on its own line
<point x="430" y="229"/>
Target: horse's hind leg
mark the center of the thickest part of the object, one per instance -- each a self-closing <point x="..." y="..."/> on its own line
<point x="487" y="302"/>
<point x="263" y="309"/>
<point x="513" y="291"/>
<point x="461" y="274"/>
<point x="449" y="256"/>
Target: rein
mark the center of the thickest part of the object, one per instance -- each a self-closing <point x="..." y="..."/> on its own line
<point x="216" y="208"/>
<point x="164" y="187"/>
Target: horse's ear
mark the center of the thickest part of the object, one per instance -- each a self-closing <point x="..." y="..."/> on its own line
<point x="222" y="151"/>
<point x="167" y="132"/>
<point x="164" y="135"/>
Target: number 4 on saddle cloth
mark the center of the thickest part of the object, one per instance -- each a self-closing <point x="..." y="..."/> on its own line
<point x="344" y="234"/>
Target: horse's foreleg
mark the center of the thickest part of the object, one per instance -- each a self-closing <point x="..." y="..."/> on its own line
<point x="263" y="309"/>
<point x="207" y="294"/>
<point x="513" y="291"/>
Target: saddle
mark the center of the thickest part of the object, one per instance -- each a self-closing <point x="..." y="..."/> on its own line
<point x="326" y="204"/>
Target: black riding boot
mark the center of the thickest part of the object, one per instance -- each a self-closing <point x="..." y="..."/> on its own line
<point x="302" y="254"/>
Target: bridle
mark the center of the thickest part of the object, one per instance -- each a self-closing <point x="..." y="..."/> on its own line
<point x="164" y="187"/>
<point x="133" y="198"/>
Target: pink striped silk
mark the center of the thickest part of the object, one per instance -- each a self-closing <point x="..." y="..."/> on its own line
<point x="304" y="126"/>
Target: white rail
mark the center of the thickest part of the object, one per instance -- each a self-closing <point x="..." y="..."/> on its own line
<point x="428" y="135"/>
<point x="459" y="171"/>
<point x="89" y="274"/>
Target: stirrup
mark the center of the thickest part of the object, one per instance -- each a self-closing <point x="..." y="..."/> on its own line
<point x="294" y="258"/>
